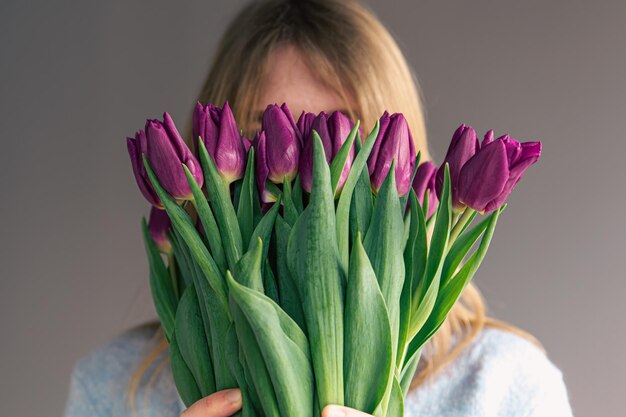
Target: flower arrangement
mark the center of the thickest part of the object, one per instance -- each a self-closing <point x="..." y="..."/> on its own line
<point x="308" y="266"/>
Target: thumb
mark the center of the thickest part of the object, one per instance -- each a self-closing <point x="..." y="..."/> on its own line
<point x="333" y="410"/>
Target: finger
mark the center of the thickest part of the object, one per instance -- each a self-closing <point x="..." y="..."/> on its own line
<point x="332" y="410"/>
<point x="220" y="404"/>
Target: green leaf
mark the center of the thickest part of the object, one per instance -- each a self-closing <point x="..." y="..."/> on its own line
<point x="404" y="198"/>
<point x="183" y="378"/>
<point x="313" y="262"/>
<point x="439" y="240"/>
<point x="296" y="194"/>
<point x="384" y="246"/>
<point x="460" y="248"/>
<point x="367" y="345"/>
<point x="287" y="290"/>
<point x="287" y="364"/>
<point x="208" y="221"/>
<point x="263" y="230"/>
<point x="343" y="207"/>
<point x="185" y="277"/>
<point x="236" y="369"/>
<point x="339" y="161"/>
<point x="450" y="293"/>
<point x="362" y="203"/>
<point x="245" y="208"/>
<point x="192" y="341"/>
<point x="248" y="270"/>
<point x="290" y="212"/>
<point x="161" y="287"/>
<point x="408" y="372"/>
<point x="269" y="282"/>
<point x="223" y="208"/>
<point x="184" y="226"/>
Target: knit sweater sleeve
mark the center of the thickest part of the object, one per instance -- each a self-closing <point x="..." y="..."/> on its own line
<point x="499" y="374"/>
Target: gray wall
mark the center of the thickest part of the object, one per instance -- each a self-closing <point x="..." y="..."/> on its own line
<point x="77" y="77"/>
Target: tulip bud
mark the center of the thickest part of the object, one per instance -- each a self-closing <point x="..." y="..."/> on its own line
<point x="222" y="139"/>
<point x="281" y="145"/>
<point x="165" y="151"/>
<point x="333" y="132"/>
<point x="394" y="141"/>
<point x="425" y="180"/>
<point x="261" y="167"/>
<point x="159" y="224"/>
<point x="141" y="176"/>
<point x="463" y="146"/>
<point x="487" y="179"/>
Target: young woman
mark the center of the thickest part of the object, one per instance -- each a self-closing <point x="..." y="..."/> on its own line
<point x="323" y="55"/>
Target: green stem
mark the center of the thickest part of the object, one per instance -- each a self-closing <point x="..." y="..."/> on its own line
<point x="460" y="225"/>
<point x="171" y="266"/>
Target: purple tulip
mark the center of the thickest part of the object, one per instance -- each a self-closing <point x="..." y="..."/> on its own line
<point x="333" y="132"/>
<point x="165" y="151"/>
<point x="141" y="176"/>
<point x="159" y="224"/>
<point x="277" y="149"/>
<point x="463" y="146"/>
<point x="394" y="141"/>
<point x="487" y="179"/>
<point x="222" y="139"/>
<point x="425" y="180"/>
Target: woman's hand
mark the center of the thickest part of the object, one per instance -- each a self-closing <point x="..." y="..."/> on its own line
<point x="223" y="403"/>
<point x="227" y="402"/>
<point x="332" y="410"/>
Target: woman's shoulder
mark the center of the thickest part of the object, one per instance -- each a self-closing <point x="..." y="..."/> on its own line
<point x="100" y="379"/>
<point x="498" y="373"/>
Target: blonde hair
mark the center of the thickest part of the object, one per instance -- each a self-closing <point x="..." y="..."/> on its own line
<point x="356" y="56"/>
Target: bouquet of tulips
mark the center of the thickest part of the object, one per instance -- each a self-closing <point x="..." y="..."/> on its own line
<point x="309" y="267"/>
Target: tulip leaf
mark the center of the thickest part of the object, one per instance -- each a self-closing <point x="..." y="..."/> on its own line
<point x="395" y="407"/>
<point x="248" y="270"/>
<point x="185" y="277"/>
<point x="186" y="259"/>
<point x="208" y="221"/>
<point x="340" y="159"/>
<point x="223" y="208"/>
<point x="185" y="228"/>
<point x="246" y="203"/>
<point x="219" y="319"/>
<point x="450" y="293"/>
<point x="296" y="194"/>
<point x="161" y="287"/>
<point x="290" y="212"/>
<point x="287" y="290"/>
<point x="460" y="248"/>
<point x="384" y="246"/>
<point x="408" y="372"/>
<point x="264" y="229"/>
<point x="313" y="262"/>
<point x="343" y="207"/>
<point x="439" y="240"/>
<point x="288" y="365"/>
<point x="248" y="274"/>
<point x="236" y="369"/>
<point x="269" y="282"/>
<point x="192" y="341"/>
<point x="367" y="345"/>
<point x="362" y="202"/>
<point x="183" y="378"/>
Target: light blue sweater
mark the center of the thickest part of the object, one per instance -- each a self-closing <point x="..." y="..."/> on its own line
<point x="498" y="374"/>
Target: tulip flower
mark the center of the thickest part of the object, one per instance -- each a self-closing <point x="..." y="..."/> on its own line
<point x="165" y="151"/>
<point x="282" y="145"/>
<point x="425" y="180"/>
<point x="463" y="146"/>
<point x="394" y="141"/>
<point x="222" y="139"/>
<point x="159" y="224"/>
<point x="487" y="179"/>
<point x="139" y="170"/>
<point x="333" y="132"/>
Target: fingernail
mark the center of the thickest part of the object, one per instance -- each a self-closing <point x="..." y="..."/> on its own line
<point x="233" y="396"/>
<point x="334" y="411"/>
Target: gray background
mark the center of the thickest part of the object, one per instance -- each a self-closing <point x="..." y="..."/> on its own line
<point x="77" y="77"/>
